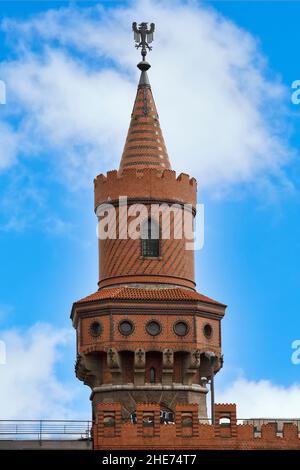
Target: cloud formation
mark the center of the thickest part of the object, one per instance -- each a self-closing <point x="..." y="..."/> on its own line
<point x="262" y="399"/>
<point x="30" y="386"/>
<point x="72" y="86"/>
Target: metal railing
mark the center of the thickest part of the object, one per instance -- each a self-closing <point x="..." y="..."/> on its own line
<point x="81" y="430"/>
<point x="45" y="429"/>
<point x="258" y="422"/>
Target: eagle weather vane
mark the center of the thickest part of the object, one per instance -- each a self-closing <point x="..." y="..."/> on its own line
<point x="143" y="36"/>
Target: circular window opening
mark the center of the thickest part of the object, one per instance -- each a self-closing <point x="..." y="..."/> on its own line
<point x="153" y="328"/>
<point x="95" y="328"/>
<point x="126" y="327"/>
<point x="207" y="330"/>
<point x="181" y="328"/>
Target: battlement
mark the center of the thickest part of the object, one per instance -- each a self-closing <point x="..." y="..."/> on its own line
<point x="188" y="431"/>
<point x="145" y="185"/>
<point x="226" y="406"/>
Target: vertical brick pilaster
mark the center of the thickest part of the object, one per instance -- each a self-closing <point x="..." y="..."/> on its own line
<point x="187" y="411"/>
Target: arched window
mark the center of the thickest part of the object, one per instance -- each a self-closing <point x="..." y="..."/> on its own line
<point x="152" y="375"/>
<point x="150" y="239"/>
<point x="224" y="422"/>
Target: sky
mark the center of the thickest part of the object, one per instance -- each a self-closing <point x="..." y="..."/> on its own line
<point x="221" y="76"/>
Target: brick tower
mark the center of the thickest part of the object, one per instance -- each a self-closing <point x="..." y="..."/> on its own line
<point x="143" y="337"/>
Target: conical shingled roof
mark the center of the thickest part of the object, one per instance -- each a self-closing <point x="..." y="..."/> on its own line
<point x="144" y="146"/>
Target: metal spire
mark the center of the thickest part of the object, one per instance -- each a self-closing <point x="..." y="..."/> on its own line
<point x="143" y="36"/>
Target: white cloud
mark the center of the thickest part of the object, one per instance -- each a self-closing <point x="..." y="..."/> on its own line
<point x="262" y="399"/>
<point x="223" y="119"/>
<point x="8" y="146"/>
<point x="30" y="387"/>
<point x="68" y="113"/>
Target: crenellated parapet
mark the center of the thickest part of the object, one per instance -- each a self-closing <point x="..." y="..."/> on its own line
<point x="148" y="184"/>
<point x="188" y="431"/>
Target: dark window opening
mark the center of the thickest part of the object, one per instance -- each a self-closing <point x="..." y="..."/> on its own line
<point x="126" y="327"/>
<point x="153" y="328"/>
<point x="150" y="239"/>
<point x="181" y="328"/>
<point x="95" y="329"/>
<point x="207" y="330"/>
<point x="152" y="375"/>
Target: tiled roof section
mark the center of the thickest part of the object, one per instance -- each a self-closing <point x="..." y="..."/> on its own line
<point x="144" y="146"/>
<point x="132" y="293"/>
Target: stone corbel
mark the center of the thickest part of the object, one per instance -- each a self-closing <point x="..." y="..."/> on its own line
<point x="114" y="365"/>
<point x="205" y="369"/>
<point x="191" y="366"/>
<point x="219" y="363"/>
<point x="88" y="370"/>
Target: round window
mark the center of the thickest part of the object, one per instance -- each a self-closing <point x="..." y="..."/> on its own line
<point x="181" y="328"/>
<point x="207" y="330"/>
<point x="153" y="328"/>
<point x="126" y="327"/>
<point x="95" y="328"/>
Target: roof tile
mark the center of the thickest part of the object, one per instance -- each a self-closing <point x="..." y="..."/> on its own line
<point x="133" y="293"/>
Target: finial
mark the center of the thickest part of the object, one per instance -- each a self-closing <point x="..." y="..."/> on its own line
<point x="143" y="37"/>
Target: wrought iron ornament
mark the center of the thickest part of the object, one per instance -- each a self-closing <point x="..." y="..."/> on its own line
<point x="143" y="36"/>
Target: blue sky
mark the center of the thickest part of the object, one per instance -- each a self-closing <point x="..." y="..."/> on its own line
<point x="53" y="144"/>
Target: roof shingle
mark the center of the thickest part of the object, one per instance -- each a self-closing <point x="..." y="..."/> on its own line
<point x="133" y="293"/>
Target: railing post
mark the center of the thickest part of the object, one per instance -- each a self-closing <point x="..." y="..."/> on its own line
<point x="40" y="439"/>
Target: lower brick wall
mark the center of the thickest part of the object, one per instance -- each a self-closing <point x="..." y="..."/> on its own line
<point x="187" y="433"/>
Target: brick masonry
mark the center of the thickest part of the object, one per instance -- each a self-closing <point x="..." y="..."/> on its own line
<point x="109" y="432"/>
<point x="142" y="372"/>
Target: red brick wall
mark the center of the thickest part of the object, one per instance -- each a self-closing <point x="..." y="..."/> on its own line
<point x="85" y="335"/>
<point x="215" y="339"/>
<point x="196" y="436"/>
<point x="120" y="260"/>
<point x="111" y="336"/>
<point x="127" y="359"/>
<point x="178" y="367"/>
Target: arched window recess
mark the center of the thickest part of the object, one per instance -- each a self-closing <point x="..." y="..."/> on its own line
<point x="152" y="375"/>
